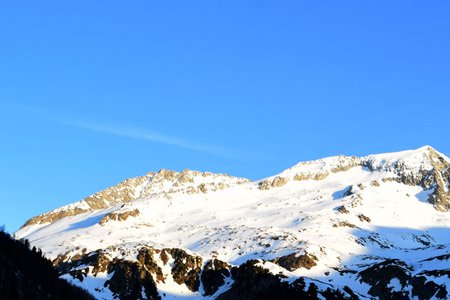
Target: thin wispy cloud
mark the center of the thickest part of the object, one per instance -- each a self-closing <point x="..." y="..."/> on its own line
<point x="133" y="132"/>
<point x="138" y="133"/>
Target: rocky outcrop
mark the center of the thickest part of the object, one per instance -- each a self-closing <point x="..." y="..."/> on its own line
<point x="186" y="268"/>
<point x="380" y="275"/>
<point x="130" y="281"/>
<point x="309" y="176"/>
<point x="253" y="282"/>
<point x="54" y="216"/>
<point x="131" y="278"/>
<point x="139" y="278"/>
<point x="344" y="224"/>
<point x="213" y="276"/>
<point x="432" y="173"/>
<point x="393" y="279"/>
<point x="119" y="216"/>
<point x="364" y="218"/>
<point x="79" y="266"/>
<point x="147" y="257"/>
<point x="296" y="261"/>
<point x="423" y="288"/>
<point x="439" y="178"/>
<point x="274" y="183"/>
<point x="265" y="185"/>
<point x="346" y="163"/>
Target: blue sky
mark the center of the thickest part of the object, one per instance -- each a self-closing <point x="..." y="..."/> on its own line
<point x="93" y="92"/>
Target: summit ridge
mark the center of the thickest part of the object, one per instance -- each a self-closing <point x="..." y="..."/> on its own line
<point x="354" y="227"/>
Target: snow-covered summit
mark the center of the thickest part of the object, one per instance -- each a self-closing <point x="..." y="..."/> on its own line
<point x="424" y="166"/>
<point x="416" y="161"/>
<point x="164" y="182"/>
<point x="329" y="221"/>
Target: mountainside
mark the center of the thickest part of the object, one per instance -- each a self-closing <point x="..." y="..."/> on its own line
<point x="336" y="228"/>
<point x="25" y="274"/>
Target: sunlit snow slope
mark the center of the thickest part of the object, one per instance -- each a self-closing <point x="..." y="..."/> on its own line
<point x="376" y="226"/>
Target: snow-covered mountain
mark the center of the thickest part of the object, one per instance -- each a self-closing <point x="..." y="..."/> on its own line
<point x="349" y="227"/>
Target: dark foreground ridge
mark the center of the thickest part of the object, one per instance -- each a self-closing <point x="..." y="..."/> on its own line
<point x="136" y="280"/>
<point x="139" y="279"/>
<point x="26" y="274"/>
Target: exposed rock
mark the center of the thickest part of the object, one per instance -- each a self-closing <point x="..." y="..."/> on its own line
<point x="440" y="257"/>
<point x="186" y="268"/>
<point x="356" y="200"/>
<point x="308" y="176"/>
<point x="164" y="256"/>
<point x="364" y="218"/>
<point x="146" y="257"/>
<point x="167" y="175"/>
<point x="388" y="179"/>
<point x="130" y="277"/>
<point x="213" y="276"/>
<point x="433" y="175"/>
<point x="440" y="199"/>
<point x="427" y="289"/>
<point x="344" y="224"/>
<point x="279" y="181"/>
<point x="253" y="282"/>
<point x="264" y="185"/>
<point x="374" y="183"/>
<point x="131" y="281"/>
<point x="276" y="182"/>
<point x="183" y="179"/>
<point x="98" y="260"/>
<point x="380" y="275"/>
<point x="119" y="216"/>
<point x="342" y="209"/>
<point x="436" y="273"/>
<point x="440" y="175"/>
<point x="54" y="216"/>
<point x="202" y="188"/>
<point x="296" y="261"/>
<point x="163" y="182"/>
<point x="139" y="279"/>
<point x="346" y="164"/>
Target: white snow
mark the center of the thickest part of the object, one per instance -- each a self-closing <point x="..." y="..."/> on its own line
<point x="243" y="222"/>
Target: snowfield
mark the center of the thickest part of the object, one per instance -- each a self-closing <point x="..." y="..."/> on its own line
<point x="346" y="213"/>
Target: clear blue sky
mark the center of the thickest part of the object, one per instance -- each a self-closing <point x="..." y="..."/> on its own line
<point x="93" y="92"/>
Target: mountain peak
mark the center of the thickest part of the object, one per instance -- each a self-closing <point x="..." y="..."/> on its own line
<point x="164" y="182"/>
<point x="335" y="222"/>
<point x="424" y="166"/>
